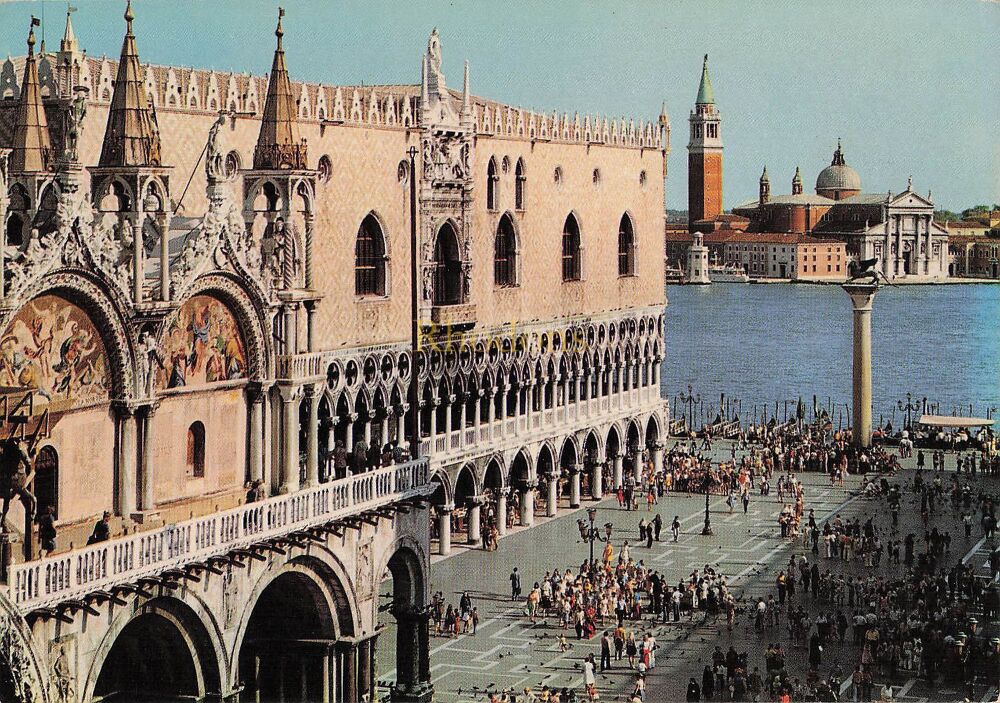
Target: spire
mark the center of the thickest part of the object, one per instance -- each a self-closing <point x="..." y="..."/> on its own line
<point x="797" y="182"/>
<point x="705" y="95"/>
<point x="466" y="97"/>
<point x="838" y="156"/>
<point x="32" y="149"/>
<point x="68" y="43"/>
<point x="131" y="137"/>
<point x="278" y="144"/>
<point x="765" y="188"/>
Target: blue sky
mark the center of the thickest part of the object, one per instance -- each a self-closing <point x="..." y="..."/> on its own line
<point x="910" y="87"/>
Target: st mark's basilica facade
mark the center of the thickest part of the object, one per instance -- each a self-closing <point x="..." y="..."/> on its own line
<point x="208" y="334"/>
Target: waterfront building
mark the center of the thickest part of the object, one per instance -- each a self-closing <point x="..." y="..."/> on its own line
<point x="206" y="291"/>
<point x="787" y="255"/>
<point x="899" y="230"/>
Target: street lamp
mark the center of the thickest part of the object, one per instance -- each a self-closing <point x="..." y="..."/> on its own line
<point x="707" y="484"/>
<point x="590" y="533"/>
<point x="910" y="407"/>
<point x="691" y="400"/>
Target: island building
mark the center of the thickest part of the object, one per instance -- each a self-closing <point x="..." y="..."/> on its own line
<point x="899" y="230"/>
<point x="973" y="246"/>
<point x="207" y="309"/>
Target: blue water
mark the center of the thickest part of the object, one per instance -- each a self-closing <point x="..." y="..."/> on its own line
<point x="761" y="343"/>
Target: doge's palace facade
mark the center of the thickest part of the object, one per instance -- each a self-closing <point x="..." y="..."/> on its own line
<point x="206" y="304"/>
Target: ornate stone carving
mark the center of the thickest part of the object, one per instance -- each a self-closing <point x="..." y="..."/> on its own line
<point x="75" y="115"/>
<point x="78" y="241"/>
<point x="447" y="157"/>
<point x="17" y="662"/>
<point x="215" y="160"/>
<point x="61" y="685"/>
<point x="222" y="241"/>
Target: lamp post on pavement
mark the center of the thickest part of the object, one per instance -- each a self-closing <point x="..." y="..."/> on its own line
<point x="691" y="401"/>
<point x="590" y="533"/>
<point x="909" y="407"/>
<point x="707" y="483"/>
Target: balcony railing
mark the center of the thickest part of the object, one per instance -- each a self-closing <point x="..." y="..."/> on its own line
<point x="300" y="367"/>
<point x="102" y="566"/>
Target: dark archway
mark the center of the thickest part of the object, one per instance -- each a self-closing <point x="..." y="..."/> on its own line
<point x="447" y="267"/>
<point x="47" y="479"/>
<point x="403" y="586"/>
<point x="290" y="632"/>
<point x="162" y="654"/>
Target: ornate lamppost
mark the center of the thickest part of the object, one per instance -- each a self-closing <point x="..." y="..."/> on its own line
<point x="590" y="533"/>
<point x="707" y="482"/>
<point x="691" y="401"/>
<point x="909" y="407"/>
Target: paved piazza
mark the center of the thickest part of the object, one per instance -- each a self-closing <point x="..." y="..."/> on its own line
<point x="507" y="652"/>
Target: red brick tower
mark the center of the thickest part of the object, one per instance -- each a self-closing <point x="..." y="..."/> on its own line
<point x="704" y="155"/>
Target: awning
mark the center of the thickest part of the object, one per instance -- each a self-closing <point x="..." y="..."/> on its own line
<point x="954" y="421"/>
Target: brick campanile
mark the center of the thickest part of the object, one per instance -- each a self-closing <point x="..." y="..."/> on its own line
<point x="704" y="154"/>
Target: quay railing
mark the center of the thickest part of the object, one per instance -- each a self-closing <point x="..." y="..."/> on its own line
<point x="102" y="566"/>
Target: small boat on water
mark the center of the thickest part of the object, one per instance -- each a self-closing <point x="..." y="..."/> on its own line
<point x="727" y="273"/>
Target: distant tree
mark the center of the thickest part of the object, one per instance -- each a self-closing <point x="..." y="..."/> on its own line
<point x="978" y="211"/>
<point x="946" y="216"/>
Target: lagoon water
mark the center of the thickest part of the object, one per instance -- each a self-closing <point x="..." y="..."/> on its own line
<point x="762" y="343"/>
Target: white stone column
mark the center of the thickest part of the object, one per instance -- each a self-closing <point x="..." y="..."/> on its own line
<point x="138" y="258"/>
<point x="528" y="504"/>
<point x="637" y="466"/>
<point x="349" y="432"/>
<point x="434" y="405"/>
<point x="125" y="498"/>
<point x="658" y="459"/>
<point x="312" y="437"/>
<point x="862" y="301"/>
<point x="255" y="410"/>
<point x="502" y="512"/>
<point x="146" y="477"/>
<point x="503" y="405"/>
<point x="270" y="433"/>
<point x="444" y="529"/>
<point x="618" y="471"/>
<point x="163" y="223"/>
<point x="289" y="482"/>
<point x="473" y="518"/>
<point x="552" y="495"/>
<point x="574" y="486"/>
<point x="597" y="480"/>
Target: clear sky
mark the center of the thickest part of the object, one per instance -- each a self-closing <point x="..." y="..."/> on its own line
<point x="910" y="86"/>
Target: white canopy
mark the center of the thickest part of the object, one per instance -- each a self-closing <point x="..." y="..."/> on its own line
<point x="954" y="421"/>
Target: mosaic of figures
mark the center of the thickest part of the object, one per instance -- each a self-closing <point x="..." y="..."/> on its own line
<point x="202" y="345"/>
<point x="51" y="346"/>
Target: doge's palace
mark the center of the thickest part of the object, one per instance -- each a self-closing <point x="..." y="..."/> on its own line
<point x="215" y="350"/>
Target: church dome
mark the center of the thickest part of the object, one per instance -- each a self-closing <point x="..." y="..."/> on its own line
<point x="838" y="176"/>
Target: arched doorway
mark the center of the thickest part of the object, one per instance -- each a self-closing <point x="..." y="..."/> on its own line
<point x="447" y="267"/>
<point x="613" y="453"/>
<point x="162" y="654"/>
<point x="290" y="651"/>
<point x="403" y="622"/>
<point x="496" y="497"/>
<point x="593" y="466"/>
<point x="550" y="478"/>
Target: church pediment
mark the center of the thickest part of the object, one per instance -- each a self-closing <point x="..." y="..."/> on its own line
<point x="910" y="199"/>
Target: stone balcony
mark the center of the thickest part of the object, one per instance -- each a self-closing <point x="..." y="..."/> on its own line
<point x="302" y="368"/>
<point x="171" y="552"/>
<point x="454" y="316"/>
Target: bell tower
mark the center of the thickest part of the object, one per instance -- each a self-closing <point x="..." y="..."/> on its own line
<point x="704" y="154"/>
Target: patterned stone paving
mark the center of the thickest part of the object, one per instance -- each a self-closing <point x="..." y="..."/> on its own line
<point x="507" y="652"/>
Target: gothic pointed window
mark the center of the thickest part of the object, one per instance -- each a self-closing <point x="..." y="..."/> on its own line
<point x="505" y="254"/>
<point x="492" y="185"/>
<point x="369" y="259"/>
<point x="571" y="260"/>
<point x="626" y="247"/>
<point x="447" y="267"/>
<point x="520" y="180"/>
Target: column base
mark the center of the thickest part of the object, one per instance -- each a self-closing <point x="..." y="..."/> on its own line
<point x="147" y="518"/>
<point x="707" y="531"/>
<point x="418" y="693"/>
